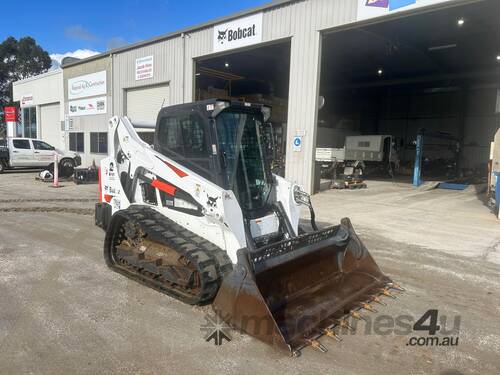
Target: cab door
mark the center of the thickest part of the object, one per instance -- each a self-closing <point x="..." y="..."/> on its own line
<point x="21" y="153"/>
<point x="43" y="152"/>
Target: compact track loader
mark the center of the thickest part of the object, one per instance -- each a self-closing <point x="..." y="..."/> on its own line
<point x="200" y="217"/>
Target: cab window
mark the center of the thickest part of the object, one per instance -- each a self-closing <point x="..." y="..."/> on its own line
<point x="22" y="144"/>
<point x="183" y="138"/>
<point x="39" y="145"/>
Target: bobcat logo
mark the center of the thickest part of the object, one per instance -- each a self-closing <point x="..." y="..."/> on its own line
<point x="212" y="202"/>
<point x="222" y="36"/>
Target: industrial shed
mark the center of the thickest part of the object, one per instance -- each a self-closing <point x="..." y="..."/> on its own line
<point x="329" y="69"/>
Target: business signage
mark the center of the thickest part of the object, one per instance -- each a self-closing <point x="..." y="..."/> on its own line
<point x="239" y="33"/>
<point x="144" y="68"/>
<point x="376" y="8"/>
<point x="297" y="143"/>
<point x="10" y="114"/>
<point x="86" y="107"/>
<point x="87" y="85"/>
<point x="27" y="100"/>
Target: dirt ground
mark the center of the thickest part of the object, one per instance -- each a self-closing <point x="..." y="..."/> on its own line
<point x="62" y="311"/>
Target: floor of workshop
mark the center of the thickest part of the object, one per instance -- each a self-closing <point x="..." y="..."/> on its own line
<point x="62" y="311"/>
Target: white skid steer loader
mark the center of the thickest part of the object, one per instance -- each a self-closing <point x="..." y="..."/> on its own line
<point x="200" y="217"/>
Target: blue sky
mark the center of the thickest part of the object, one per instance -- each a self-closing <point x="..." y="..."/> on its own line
<point x="97" y="25"/>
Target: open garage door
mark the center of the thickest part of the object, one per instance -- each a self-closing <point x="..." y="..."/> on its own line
<point x="143" y="104"/>
<point x="434" y="74"/>
<point x="257" y="75"/>
<point x="50" y="124"/>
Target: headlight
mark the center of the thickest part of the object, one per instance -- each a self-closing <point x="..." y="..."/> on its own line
<point x="300" y="196"/>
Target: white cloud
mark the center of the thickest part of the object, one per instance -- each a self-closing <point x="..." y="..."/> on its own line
<point x="79" y="54"/>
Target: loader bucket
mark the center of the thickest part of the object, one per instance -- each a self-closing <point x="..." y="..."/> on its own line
<point x="287" y="293"/>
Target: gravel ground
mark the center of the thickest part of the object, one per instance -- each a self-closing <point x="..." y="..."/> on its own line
<point x="62" y="311"/>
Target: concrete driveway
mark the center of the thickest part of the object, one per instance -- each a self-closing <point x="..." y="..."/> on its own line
<point x="62" y="311"/>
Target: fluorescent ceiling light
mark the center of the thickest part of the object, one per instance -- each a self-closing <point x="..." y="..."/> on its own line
<point x="446" y="46"/>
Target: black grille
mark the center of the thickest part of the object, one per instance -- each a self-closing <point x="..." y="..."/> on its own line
<point x="288" y="246"/>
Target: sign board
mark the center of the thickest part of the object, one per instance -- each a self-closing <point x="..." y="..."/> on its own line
<point x="27" y="100"/>
<point x="144" y="68"/>
<point x="376" y="8"/>
<point x="68" y="123"/>
<point x="10" y="114"/>
<point x="86" y="107"/>
<point x="87" y="85"/>
<point x="297" y="143"/>
<point x="238" y="33"/>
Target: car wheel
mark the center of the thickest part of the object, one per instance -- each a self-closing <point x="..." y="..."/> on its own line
<point x="66" y="167"/>
<point x="2" y="167"/>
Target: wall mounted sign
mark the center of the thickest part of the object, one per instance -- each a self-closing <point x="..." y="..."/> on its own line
<point x="297" y="143"/>
<point x="238" y="33"/>
<point x="376" y="8"/>
<point x="10" y="114"/>
<point x="86" y="107"/>
<point x="27" y="100"/>
<point x="144" y="68"/>
<point x="87" y="85"/>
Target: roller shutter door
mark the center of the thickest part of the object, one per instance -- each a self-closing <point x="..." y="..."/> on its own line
<point x="50" y="124"/>
<point x="143" y="104"/>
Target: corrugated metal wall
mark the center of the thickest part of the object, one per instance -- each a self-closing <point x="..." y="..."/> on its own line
<point x="167" y="68"/>
<point x="301" y="21"/>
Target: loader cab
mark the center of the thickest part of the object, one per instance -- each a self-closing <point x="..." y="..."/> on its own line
<point x="223" y="142"/>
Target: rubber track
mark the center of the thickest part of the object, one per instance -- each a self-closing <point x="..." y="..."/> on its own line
<point x="211" y="262"/>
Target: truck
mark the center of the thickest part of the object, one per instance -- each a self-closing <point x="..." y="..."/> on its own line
<point x="17" y="153"/>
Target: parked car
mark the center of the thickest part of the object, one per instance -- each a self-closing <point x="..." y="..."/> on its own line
<point x="35" y="153"/>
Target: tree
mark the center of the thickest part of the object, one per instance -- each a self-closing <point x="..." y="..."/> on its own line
<point x="19" y="59"/>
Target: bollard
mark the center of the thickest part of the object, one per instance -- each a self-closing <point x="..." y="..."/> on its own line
<point x="417" y="171"/>
<point x="56" y="171"/>
<point x="497" y="194"/>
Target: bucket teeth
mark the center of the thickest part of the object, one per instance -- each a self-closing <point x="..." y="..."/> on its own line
<point x="387" y="293"/>
<point x="345" y="324"/>
<point x="368" y="307"/>
<point x="378" y="300"/>
<point x="315" y="344"/>
<point x="357" y="315"/>
<point x="396" y="287"/>
<point x="331" y="333"/>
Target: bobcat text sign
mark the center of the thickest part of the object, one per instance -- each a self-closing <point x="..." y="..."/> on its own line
<point x="239" y="33"/>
